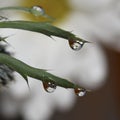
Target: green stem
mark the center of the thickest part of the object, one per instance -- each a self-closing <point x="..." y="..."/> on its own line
<point x="40" y="74"/>
<point x="26" y="9"/>
<point x="40" y="27"/>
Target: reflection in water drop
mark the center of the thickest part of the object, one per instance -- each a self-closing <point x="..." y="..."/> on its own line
<point x="80" y="91"/>
<point x="49" y="86"/>
<point x="76" y="44"/>
<point x="37" y="11"/>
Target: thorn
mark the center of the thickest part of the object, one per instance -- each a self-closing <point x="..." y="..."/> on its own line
<point x="4" y="39"/>
<point x="26" y="79"/>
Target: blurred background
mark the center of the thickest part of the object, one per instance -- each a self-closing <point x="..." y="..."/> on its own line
<point x="96" y="66"/>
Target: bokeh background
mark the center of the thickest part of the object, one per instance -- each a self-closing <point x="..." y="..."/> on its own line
<point x="96" y="66"/>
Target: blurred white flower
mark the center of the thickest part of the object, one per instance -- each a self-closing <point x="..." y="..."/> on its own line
<point x="91" y="20"/>
<point x="103" y="17"/>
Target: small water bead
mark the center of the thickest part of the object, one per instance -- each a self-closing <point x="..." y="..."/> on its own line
<point x="76" y="44"/>
<point x="37" y="11"/>
<point x="49" y="86"/>
<point x="80" y="91"/>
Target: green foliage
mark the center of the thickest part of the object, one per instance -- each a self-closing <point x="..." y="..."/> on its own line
<point x="40" y="74"/>
<point x="40" y="27"/>
<point x="35" y="10"/>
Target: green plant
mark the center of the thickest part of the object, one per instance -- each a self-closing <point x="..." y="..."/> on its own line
<point x="49" y="80"/>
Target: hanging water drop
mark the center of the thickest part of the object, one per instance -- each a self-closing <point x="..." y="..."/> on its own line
<point x="37" y="11"/>
<point x="80" y="91"/>
<point x="49" y="86"/>
<point x="76" y="44"/>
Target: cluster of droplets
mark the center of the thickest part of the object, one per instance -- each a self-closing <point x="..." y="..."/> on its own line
<point x="76" y="44"/>
<point x="51" y="87"/>
<point x="37" y="11"/>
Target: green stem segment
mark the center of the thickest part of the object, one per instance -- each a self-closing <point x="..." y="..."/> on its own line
<point x="40" y="74"/>
<point x="30" y="10"/>
<point x="26" y="9"/>
<point x="40" y="27"/>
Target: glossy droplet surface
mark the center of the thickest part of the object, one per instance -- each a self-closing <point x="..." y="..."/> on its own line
<point x="80" y="91"/>
<point x="37" y="11"/>
<point x="76" y="44"/>
<point x="49" y="86"/>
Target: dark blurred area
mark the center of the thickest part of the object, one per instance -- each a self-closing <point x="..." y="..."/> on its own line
<point x="102" y="104"/>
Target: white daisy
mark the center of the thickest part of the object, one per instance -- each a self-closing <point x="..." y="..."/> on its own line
<point x="90" y="20"/>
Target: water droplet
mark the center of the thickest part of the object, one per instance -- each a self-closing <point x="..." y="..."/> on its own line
<point x="76" y="44"/>
<point x="80" y="91"/>
<point x="49" y="86"/>
<point x="37" y="11"/>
